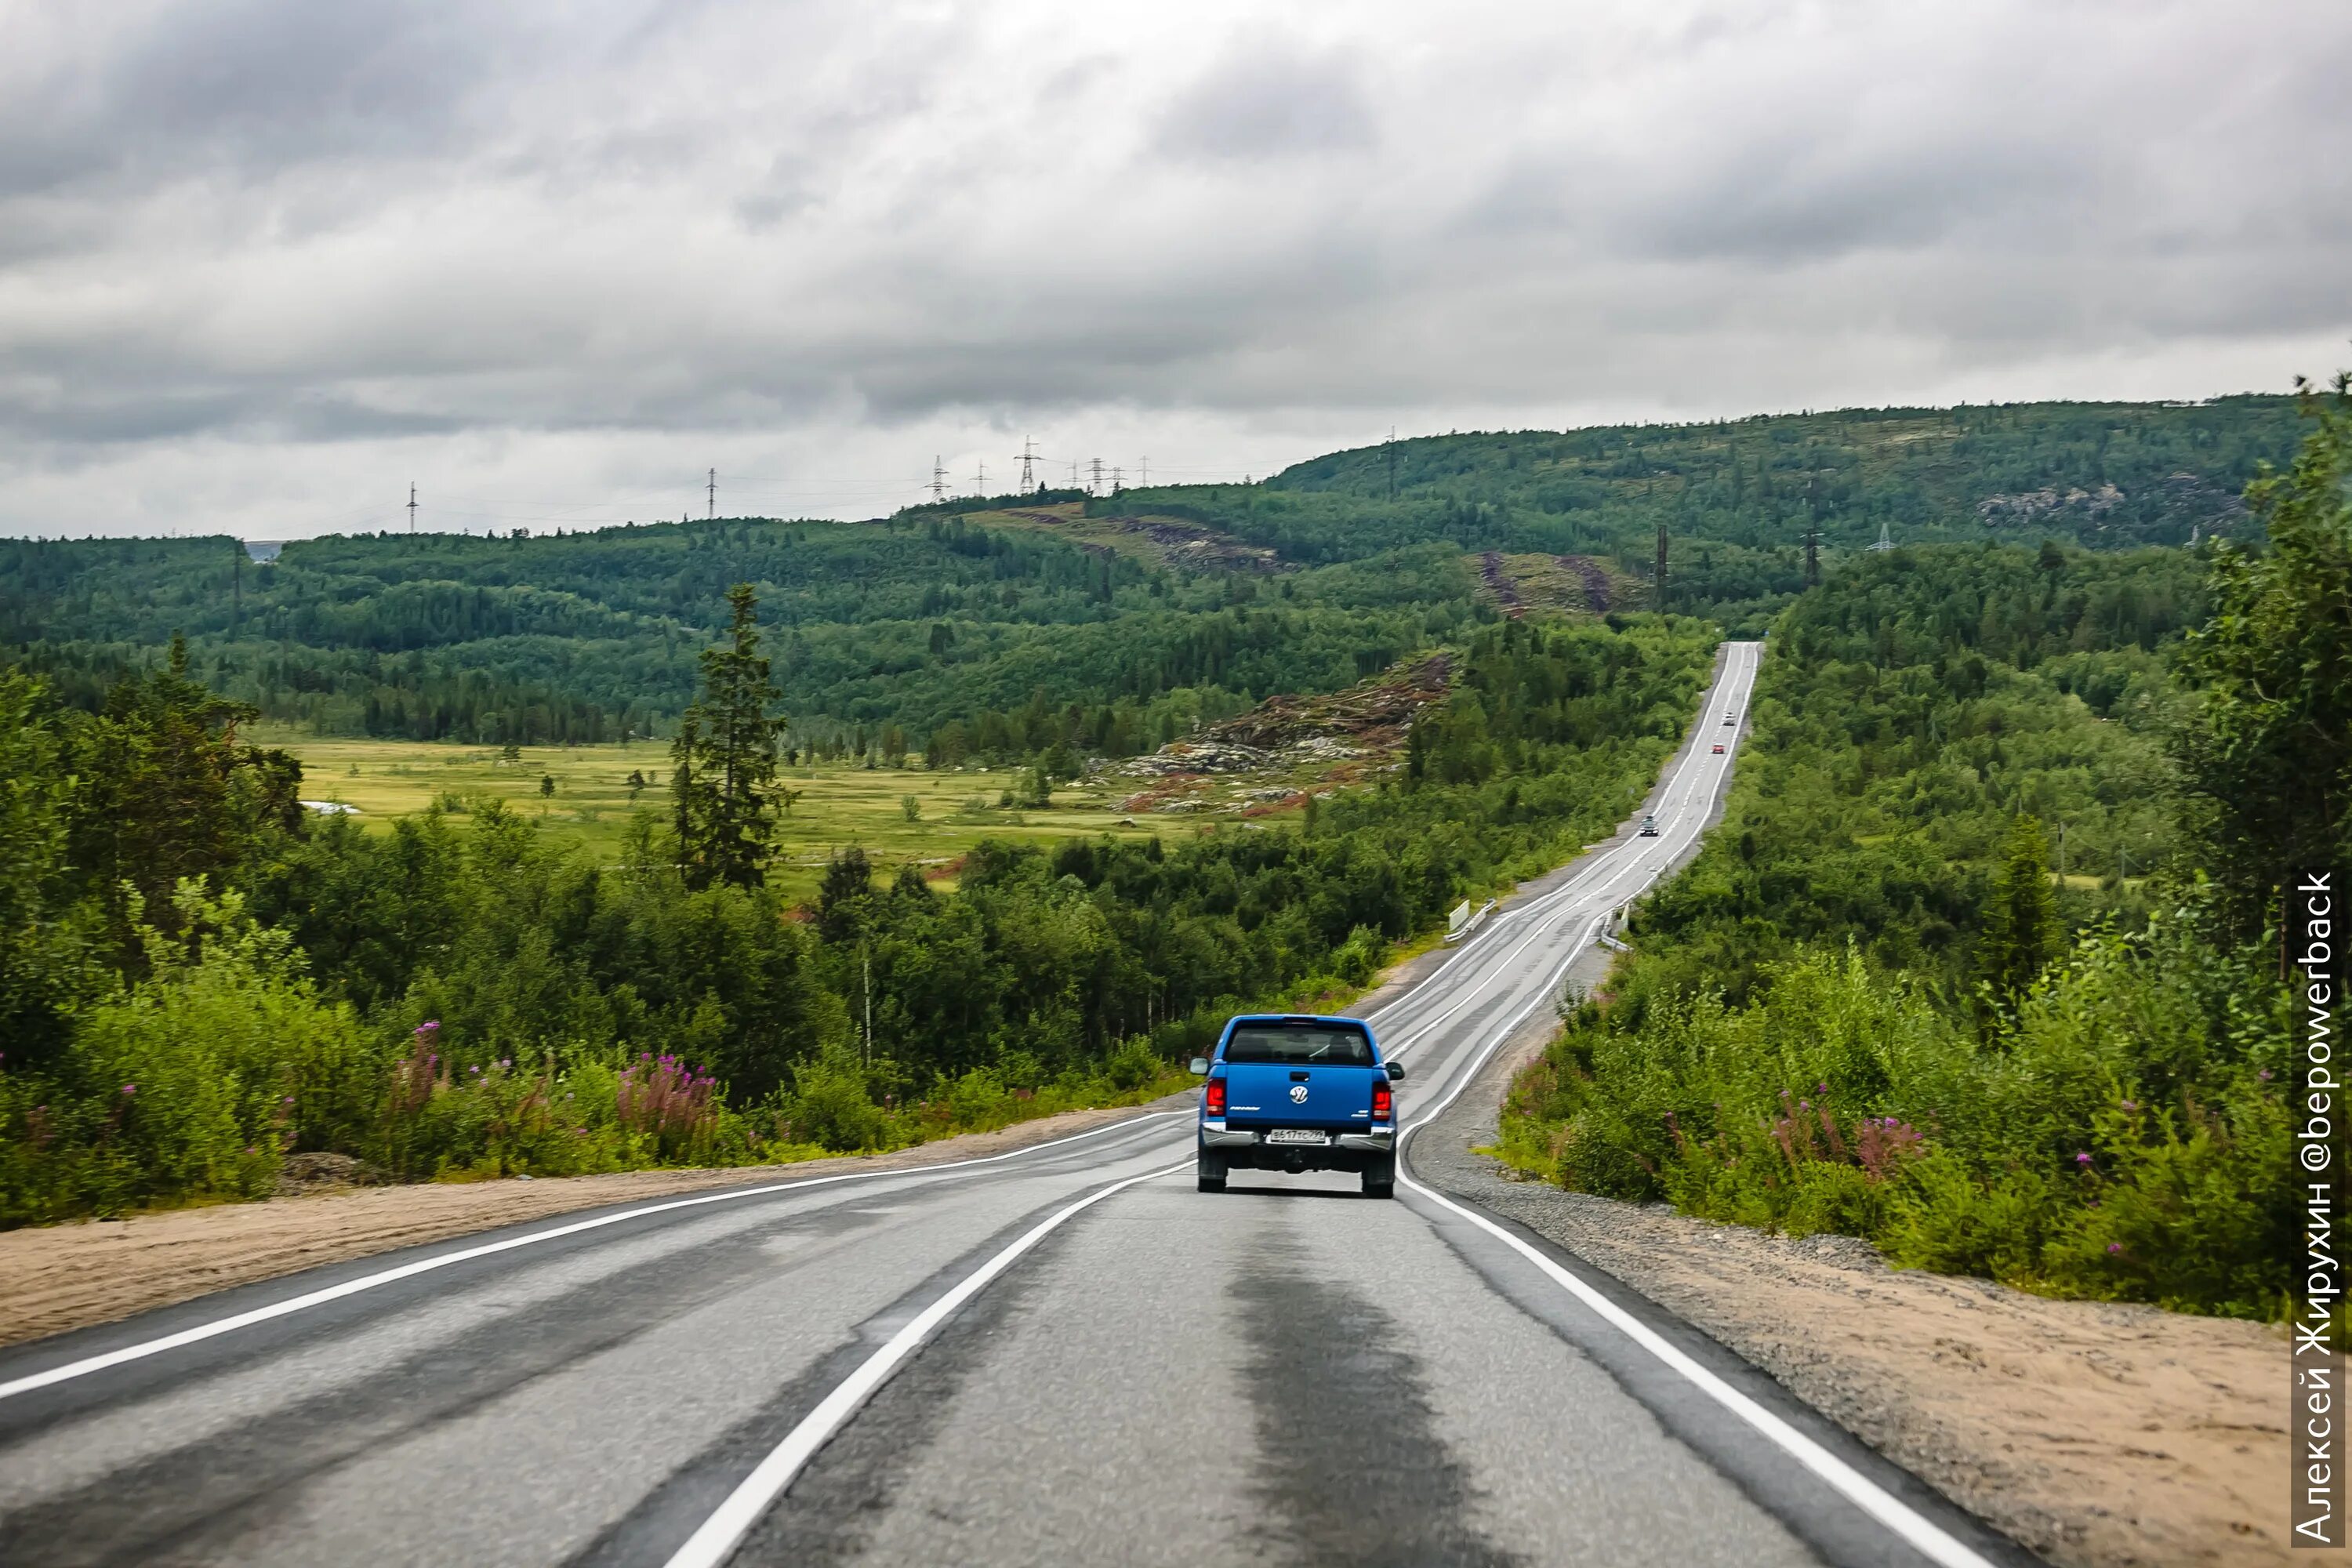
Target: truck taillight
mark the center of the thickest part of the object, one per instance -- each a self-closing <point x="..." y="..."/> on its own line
<point x="1383" y="1099"/>
<point x="1213" y="1099"/>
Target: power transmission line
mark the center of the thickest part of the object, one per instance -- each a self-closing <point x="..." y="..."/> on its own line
<point x="981" y="482"/>
<point x="412" y="506"/>
<point x="939" y="480"/>
<point x="1028" y="457"/>
<point x="1391" y="449"/>
<point x="1094" y="484"/>
<point x="711" y="505"/>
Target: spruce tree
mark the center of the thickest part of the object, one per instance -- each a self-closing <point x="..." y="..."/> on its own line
<point x="2266" y="755"/>
<point x="722" y="784"/>
<point x="2022" y="934"/>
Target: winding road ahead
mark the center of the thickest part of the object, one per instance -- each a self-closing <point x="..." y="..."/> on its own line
<point x="1062" y="1355"/>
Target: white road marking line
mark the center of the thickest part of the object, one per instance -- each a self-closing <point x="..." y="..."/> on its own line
<point x="718" y="1535"/>
<point x="1921" y="1534"/>
<point x="1916" y="1531"/>
<point x="1742" y="664"/>
<point x="1679" y="839"/>
<point x="145" y="1348"/>
<point x="717" y="1538"/>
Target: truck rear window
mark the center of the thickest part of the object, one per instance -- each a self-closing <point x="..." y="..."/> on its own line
<point x="1325" y="1045"/>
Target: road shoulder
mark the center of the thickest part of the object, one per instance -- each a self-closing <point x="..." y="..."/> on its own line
<point x="57" y="1277"/>
<point x="2096" y="1434"/>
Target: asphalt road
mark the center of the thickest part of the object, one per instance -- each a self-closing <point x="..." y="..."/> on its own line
<point x="1065" y="1355"/>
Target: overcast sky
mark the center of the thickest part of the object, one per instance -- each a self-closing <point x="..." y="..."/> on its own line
<point x="265" y="262"/>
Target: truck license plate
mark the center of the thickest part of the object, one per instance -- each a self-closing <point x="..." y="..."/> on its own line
<point x="1295" y="1135"/>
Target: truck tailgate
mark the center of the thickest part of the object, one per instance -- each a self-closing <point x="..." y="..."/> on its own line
<point x="1265" y="1094"/>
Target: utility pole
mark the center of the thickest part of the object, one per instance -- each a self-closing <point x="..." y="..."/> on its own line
<point x="981" y="484"/>
<point x="412" y="506"/>
<point x="1662" y="566"/>
<point x="1028" y="459"/>
<point x="1094" y="486"/>
<point x="1118" y="482"/>
<point x="1814" y="533"/>
<point x="710" y="504"/>
<point x="1391" y="453"/>
<point x="939" y="480"/>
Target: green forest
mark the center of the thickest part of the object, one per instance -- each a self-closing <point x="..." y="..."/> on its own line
<point x="1022" y="639"/>
<point x="199" y="978"/>
<point x="1982" y="963"/>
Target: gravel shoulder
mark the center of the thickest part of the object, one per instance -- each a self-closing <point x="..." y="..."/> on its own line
<point x="63" y="1276"/>
<point x="2098" y="1434"/>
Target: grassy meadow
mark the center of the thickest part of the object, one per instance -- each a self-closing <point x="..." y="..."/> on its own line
<point x="837" y="804"/>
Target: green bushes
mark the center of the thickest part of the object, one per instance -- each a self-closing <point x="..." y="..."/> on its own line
<point x="194" y="1080"/>
<point x="2122" y="1135"/>
<point x="461" y="998"/>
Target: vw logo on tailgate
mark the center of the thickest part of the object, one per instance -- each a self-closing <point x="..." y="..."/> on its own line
<point x="1297" y="1094"/>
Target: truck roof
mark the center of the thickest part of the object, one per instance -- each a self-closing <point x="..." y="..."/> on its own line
<point x="1292" y="1018"/>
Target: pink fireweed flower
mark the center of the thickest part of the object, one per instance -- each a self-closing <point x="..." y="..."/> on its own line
<point x="2082" y="1159"/>
<point x="131" y="1089"/>
<point x="2114" y="1247"/>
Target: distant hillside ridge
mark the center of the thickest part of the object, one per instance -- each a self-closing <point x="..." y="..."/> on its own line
<point x="2101" y="475"/>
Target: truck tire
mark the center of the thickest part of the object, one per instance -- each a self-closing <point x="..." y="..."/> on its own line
<point x="1380" y="1181"/>
<point x="1211" y="1175"/>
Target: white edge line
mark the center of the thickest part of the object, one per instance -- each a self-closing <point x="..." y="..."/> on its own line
<point x="1923" y="1534"/>
<point x="718" y="1535"/>
<point x="1541" y="902"/>
<point x="293" y="1304"/>
<point x="1915" y="1529"/>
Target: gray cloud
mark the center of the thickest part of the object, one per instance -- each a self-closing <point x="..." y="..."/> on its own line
<point x="261" y="258"/>
<point x="1268" y="99"/>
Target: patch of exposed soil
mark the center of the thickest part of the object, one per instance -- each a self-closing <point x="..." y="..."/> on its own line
<point x="1595" y="581"/>
<point x="1371" y="715"/>
<point x="1498" y="583"/>
<point x="1288" y="748"/>
<point x="61" y="1277"/>
<point x="2100" y="1435"/>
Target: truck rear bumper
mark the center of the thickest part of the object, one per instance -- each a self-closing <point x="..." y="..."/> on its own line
<point x="1246" y="1149"/>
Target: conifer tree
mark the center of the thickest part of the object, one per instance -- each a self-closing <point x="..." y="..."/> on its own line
<point x="2020" y="935"/>
<point x="2267" y="755"/>
<point x="722" y="784"/>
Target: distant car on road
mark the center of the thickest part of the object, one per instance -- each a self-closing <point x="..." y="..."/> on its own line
<point x="1727" y="721"/>
<point x="1719" y="748"/>
<point x="1650" y="827"/>
<point x="1297" y="1093"/>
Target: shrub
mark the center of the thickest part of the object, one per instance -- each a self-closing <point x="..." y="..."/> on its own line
<point x="2120" y="1136"/>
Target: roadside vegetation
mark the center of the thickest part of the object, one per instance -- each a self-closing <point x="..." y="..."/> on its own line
<point x="1873" y="1005"/>
<point x="201" y="978"/>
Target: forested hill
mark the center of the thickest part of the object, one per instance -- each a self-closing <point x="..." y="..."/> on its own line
<point x="1738" y="497"/>
<point x="1111" y="623"/>
<point x="906" y="624"/>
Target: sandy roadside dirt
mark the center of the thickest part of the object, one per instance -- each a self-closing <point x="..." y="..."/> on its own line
<point x="70" y="1276"/>
<point x="2098" y="1435"/>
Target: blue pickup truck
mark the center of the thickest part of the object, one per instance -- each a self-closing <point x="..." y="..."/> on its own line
<point x="1291" y="1092"/>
